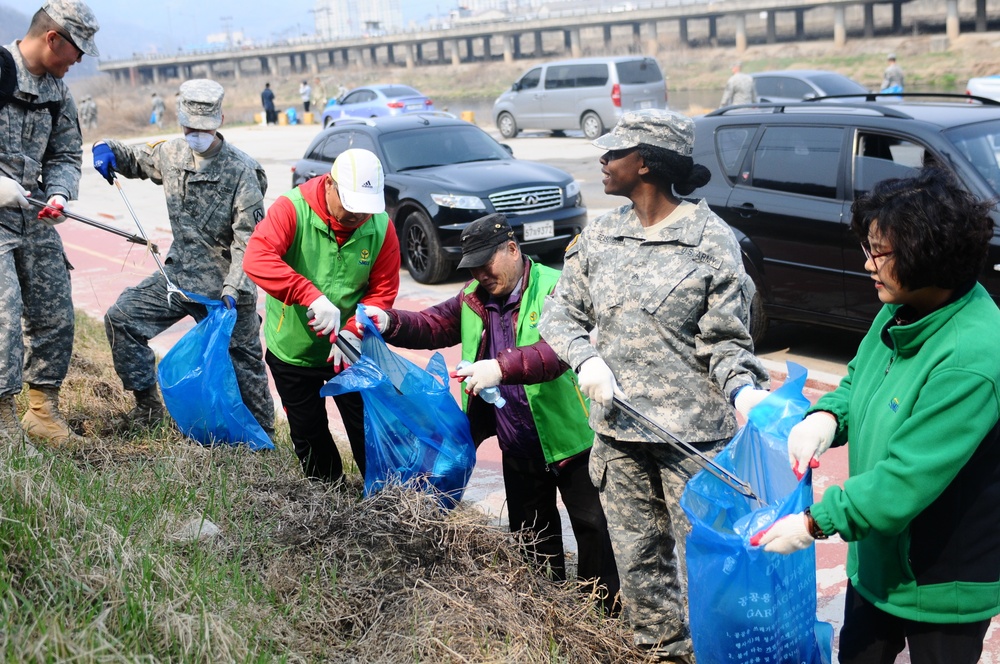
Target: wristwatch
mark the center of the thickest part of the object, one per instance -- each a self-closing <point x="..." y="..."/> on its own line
<point x="814" y="530"/>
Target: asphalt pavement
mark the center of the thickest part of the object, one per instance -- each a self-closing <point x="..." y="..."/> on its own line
<point x="106" y="264"/>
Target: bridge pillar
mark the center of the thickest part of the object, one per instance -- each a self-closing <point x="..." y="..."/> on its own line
<point x="800" y="23"/>
<point x="312" y="63"/>
<point x="539" y="44"/>
<point x="897" y="18"/>
<point x="772" y="29"/>
<point x="839" y="26"/>
<point x="652" y="43"/>
<point x="607" y="37"/>
<point x="456" y="58"/>
<point x="684" y="31"/>
<point x="470" y="50"/>
<point x="156" y="75"/>
<point x="408" y="51"/>
<point x="980" y="15"/>
<point x="713" y="31"/>
<point x="440" y="51"/>
<point x="741" y="32"/>
<point x="869" y="20"/>
<point x="390" y="54"/>
<point x="272" y="66"/>
<point x="419" y="50"/>
<point x="487" y="52"/>
<point x="508" y="48"/>
<point x="951" y="22"/>
<point x="517" y="45"/>
<point x="237" y="72"/>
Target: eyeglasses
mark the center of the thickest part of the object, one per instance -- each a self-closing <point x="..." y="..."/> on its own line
<point x="870" y="256"/>
<point x="69" y="40"/>
<point x="612" y="155"/>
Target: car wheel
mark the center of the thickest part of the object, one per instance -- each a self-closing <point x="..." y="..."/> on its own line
<point x="507" y="125"/>
<point x="422" y="250"/>
<point x="758" y="319"/>
<point x="591" y="125"/>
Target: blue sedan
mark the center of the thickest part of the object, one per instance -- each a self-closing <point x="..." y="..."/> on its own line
<point x="374" y="101"/>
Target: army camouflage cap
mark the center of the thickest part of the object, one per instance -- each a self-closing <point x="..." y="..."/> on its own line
<point x="481" y="238"/>
<point x="655" y="126"/>
<point x="199" y="104"/>
<point x="78" y="20"/>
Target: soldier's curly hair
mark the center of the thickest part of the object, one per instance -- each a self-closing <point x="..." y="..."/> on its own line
<point x="674" y="169"/>
<point x="938" y="231"/>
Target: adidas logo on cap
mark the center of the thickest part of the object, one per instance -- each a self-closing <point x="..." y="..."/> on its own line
<point x="367" y="185"/>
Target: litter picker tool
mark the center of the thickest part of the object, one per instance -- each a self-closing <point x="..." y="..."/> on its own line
<point x="171" y="288"/>
<point x="687" y="449"/>
<point x="352" y="354"/>
<point x="136" y="239"/>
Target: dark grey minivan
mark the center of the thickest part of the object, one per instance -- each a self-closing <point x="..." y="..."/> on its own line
<point x="589" y="94"/>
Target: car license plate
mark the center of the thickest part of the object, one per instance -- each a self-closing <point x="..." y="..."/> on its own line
<point x="414" y="107"/>
<point x="646" y="103"/>
<point x="539" y="230"/>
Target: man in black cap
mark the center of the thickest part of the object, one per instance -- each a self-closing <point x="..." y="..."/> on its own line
<point x="542" y="429"/>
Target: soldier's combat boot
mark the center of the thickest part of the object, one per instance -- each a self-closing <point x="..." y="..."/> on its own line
<point x="10" y="426"/>
<point x="43" y="420"/>
<point x="149" y="410"/>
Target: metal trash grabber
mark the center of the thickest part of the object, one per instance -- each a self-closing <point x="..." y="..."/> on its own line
<point x="688" y="450"/>
<point x="353" y="355"/>
<point x="136" y="239"/>
<point x="171" y="288"/>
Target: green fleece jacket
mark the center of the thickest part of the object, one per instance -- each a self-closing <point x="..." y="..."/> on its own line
<point x="920" y="405"/>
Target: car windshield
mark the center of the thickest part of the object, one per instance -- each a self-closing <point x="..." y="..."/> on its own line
<point x="838" y="85"/>
<point x="438" y="146"/>
<point x="980" y="144"/>
<point x="400" y="91"/>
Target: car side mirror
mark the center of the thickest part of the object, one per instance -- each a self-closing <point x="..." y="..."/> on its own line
<point x="516" y="86"/>
<point x="509" y="149"/>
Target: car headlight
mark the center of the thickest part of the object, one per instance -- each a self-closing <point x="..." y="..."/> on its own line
<point x="572" y="189"/>
<point x="458" y="201"/>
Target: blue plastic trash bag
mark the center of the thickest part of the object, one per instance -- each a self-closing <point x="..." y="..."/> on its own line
<point x="747" y="605"/>
<point x="199" y="384"/>
<point x="292" y="115"/>
<point x="417" y="432"/>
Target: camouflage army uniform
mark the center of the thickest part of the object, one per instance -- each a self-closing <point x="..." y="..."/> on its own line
<point x="213" y="210"/>
<point x="671" y="315"/>
<point x="740" y="89"/>
<point x="40" y="142"/>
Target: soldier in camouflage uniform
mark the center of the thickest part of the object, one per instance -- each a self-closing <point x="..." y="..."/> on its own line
<point x="740" y="88"/>
<point x="215" y="198"/>
<point x="661" y="282"/>
<point x="40" y="149"/>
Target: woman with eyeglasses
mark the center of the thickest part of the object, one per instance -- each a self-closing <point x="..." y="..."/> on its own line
<point x="661" y="282"/>
<point x="920" y="406"/>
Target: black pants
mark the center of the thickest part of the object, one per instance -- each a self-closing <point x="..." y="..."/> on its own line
<point x="531" y="503"/>
<point x="298" y="388"/>
<point x="305" y="105"/>
<point x="271" y="116"/>
<point x="872" y="636"/>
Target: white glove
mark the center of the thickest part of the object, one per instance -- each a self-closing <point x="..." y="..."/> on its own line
<point x="378" y="316"/>
<point x="337" y="357"/>
<point x="325" y="317"/>
<point x="809" y="439"/>
<point x="786" y="535"/>
<point x="747" y="398"/>
<point x="597" y="381"/>
<point x="480" y="375"/>
<point x="52" y="214"/>
<point x="12" y="194"/>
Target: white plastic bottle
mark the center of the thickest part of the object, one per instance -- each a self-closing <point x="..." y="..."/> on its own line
<point x="489" y="394"/>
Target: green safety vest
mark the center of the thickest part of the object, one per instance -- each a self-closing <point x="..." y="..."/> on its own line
<point x="558" y="407"/>
<point x="341" y="273"/>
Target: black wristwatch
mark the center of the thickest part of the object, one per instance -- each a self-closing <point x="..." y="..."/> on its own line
<point x="814" y="530"/>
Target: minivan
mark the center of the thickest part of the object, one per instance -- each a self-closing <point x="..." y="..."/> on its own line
<point x="586" y="93"/>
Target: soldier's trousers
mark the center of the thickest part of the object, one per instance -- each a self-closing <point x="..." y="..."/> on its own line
<point x="143" y="311"/>
<point x="36" y="308"/>
<point x="640" y="486"/>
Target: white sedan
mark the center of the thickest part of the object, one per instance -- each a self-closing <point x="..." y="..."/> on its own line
<point x="984" y="86"/>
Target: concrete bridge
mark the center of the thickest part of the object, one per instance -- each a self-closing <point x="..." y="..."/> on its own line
<point x="573" y="33"/>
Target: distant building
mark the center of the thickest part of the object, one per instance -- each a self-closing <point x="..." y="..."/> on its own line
<point x="357" y="18"/>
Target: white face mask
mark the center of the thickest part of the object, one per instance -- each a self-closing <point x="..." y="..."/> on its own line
<point x="199" y="141"/>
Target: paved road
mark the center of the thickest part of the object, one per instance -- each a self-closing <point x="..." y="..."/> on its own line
<point x="105" y="264"/>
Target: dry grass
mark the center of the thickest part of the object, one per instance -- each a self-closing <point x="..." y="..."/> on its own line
<point x="96" y="568"/>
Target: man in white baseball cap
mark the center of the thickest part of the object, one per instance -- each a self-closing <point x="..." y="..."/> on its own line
<point x="323" y="248"/>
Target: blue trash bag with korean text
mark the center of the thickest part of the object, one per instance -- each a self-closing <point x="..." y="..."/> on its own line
<point x="414" y="429"/>
<point x="199" y="384"/>
<point x="747" y="605"/>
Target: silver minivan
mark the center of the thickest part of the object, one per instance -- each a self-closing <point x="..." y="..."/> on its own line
<point x="585" y="93"/>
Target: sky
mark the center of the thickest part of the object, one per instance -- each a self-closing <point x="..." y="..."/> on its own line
<point x="163" y="26"/>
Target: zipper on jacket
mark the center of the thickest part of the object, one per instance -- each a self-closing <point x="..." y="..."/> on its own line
<point x="892" y="358"/>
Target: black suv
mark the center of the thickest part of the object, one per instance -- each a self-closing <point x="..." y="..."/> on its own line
<point x="784" y="177"/>
<point x="442" y="173"/>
